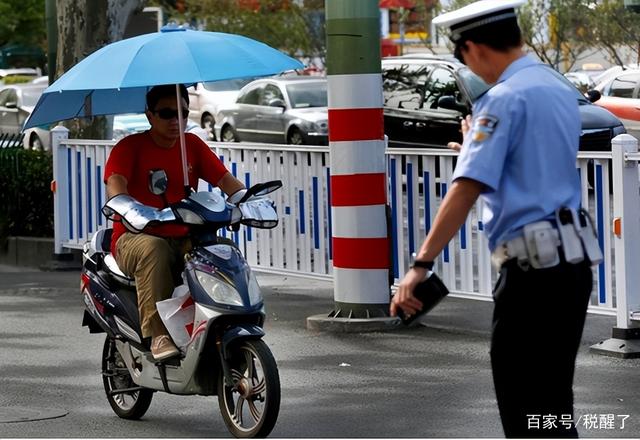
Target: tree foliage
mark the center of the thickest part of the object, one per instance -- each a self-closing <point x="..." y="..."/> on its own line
<point x="284" y="24"/>
<point x="557" y="31"/>
<point x="26" y="198"/>
<point x="615" y="29"/>
<point x="22" y="22"/>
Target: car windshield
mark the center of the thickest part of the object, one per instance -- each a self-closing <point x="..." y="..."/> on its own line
<point x="30" y="96"/>
<point x="473" y="83"/>
<point x="308" y="94"/>
<point x="227" y="85"/>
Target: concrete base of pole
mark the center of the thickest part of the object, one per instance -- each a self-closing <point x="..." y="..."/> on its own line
<point x="620" y="348"/>
<point x="352" y="325"/>
<point x="624" y="343"/>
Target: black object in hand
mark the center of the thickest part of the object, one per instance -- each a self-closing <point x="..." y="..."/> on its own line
<point x="430" y="292"/>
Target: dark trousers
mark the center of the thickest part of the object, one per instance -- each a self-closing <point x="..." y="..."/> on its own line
<point x="537" y="325"/>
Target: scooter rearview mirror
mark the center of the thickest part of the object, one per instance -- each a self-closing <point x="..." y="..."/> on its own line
<point x="262" y="189"/>
<point x="593" y="95"/>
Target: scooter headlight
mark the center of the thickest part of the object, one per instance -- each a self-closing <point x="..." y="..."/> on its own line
<point x="255" y="295"/>
<point x="189" y="217"/>
<point x="220" y="291"/>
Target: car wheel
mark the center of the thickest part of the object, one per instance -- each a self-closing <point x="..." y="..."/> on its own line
<point x="207" y="124"/>
<point x="35" y="143"/>
<point x="295" y="137"/>
<point x="228" y="134"/>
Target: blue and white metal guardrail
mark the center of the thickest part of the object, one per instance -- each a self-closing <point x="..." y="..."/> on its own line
<point x="301" y="244"/>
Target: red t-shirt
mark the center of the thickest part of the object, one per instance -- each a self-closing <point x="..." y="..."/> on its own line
<point x="136" y="155"/>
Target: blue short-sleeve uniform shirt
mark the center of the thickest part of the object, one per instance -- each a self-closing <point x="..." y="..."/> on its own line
<point x="522" y="146"/>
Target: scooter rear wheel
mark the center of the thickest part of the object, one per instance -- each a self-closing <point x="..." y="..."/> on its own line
<point x="115" y="376"/>
<point x="251" y="405"/>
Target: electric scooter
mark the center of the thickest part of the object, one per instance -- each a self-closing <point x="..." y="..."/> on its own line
<point x="225" y="355"/>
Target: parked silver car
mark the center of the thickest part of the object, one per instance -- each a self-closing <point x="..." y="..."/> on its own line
<point x="16" y="104"/>
<point x="290" y="110"/>
<point x="25" y="73"/>
<point x="131" y="123"/>
<point x="205" y="99"/>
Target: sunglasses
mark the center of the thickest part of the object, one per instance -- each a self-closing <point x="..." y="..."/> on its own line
<point x="457" y="51"/>
<point x="169" y="113"/>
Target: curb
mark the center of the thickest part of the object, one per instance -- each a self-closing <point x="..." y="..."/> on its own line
<point x="38" y="252"/>
<point x="352" y="325"/>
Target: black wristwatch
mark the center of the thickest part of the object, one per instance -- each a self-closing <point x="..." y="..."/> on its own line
<point x="422" y="264"/>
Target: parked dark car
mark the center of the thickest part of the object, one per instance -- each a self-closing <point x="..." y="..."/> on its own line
<point x="426" y="96"/>
<point x="290" y="109"/>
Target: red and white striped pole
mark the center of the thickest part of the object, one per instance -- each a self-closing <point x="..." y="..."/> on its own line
<point x="358" y="167"/>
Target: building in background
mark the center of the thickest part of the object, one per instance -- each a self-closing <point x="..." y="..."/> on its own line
<point x="149" y="20"/>
<point x="407" y="22"/>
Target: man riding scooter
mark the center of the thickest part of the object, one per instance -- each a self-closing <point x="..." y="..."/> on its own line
<point x="152" y="257"/>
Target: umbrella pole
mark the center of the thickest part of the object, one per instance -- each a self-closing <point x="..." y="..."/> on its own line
<point x="183" y="146"/>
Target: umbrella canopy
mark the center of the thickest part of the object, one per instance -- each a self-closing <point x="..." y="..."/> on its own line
<point x="116" y="78"/>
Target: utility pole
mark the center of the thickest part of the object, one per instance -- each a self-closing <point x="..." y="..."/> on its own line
<point x="51" y="18"/>
<point x="358" y="170"/>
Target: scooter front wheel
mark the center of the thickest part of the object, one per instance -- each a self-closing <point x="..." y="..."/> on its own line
<point x="131" y="404"/>
<point x="250" y="405"/>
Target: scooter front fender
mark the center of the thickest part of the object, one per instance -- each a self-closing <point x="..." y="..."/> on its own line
<point x="240" y="331"/>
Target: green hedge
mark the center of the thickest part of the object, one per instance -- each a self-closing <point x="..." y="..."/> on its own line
<point x="26" y="201"/>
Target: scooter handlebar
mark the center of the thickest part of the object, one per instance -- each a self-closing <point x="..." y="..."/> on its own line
<point x="135" y="215"/>
<point x="259" y="212"/>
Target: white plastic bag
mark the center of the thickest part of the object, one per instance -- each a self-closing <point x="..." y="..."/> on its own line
<point x="177" y="314"/>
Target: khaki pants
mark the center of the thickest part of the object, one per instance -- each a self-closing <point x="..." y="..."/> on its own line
<point x="151" y="261"/>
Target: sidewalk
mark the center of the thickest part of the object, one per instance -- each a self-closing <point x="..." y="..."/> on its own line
<point x="429" y="381"/>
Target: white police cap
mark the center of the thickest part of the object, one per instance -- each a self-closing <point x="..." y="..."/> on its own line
<point x="476" y="15"/>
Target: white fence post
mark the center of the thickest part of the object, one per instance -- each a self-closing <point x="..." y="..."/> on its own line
<point x="60" y="186"/>
<point x="625" y="340"/>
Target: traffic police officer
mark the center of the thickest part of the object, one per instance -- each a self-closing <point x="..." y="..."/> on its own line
<point x="519" y="154"/>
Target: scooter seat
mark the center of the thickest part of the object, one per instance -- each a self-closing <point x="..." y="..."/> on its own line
<point x="101" y="244"/>
<point x="116" y="273"/>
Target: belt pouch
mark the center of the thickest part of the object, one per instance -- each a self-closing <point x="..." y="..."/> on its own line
<point x="542" y="243"/>
<point x="571" y="243"/>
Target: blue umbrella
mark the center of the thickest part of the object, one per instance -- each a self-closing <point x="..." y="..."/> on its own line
<point x="116" y="78"/>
